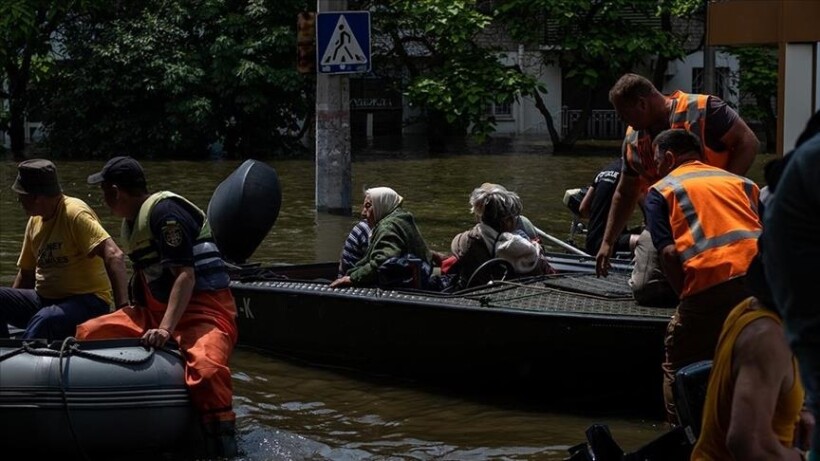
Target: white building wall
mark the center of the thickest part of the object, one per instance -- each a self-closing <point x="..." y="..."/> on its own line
<point x="525" y="117"/>
<point x="680" y="73"/>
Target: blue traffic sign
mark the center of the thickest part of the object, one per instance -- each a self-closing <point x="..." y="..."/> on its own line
<point x="343" y="42"/>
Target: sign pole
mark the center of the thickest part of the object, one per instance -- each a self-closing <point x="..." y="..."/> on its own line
<point x="333" y="162"/>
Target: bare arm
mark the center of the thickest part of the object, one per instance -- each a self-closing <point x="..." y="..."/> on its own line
<point x="623" y="203"/>
<point x="24" y="279"/>
<point x="762" y="369"/>
<point x="743" y="147"/>
<point x="672" y="267"/>
<point x="177" y="302"/>
<point x="586" y="202"/>
<point x="114" y="261"/>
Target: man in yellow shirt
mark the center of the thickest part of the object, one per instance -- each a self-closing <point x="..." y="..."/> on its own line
<point x="68" y="266"/>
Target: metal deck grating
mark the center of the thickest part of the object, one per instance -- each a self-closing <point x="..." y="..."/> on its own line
<point x="571" y="294"/>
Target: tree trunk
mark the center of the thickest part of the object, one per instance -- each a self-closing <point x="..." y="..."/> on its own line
<point x="769" y="122"/>
<point x="17" y="122"/>
<point x="580" y="126"/>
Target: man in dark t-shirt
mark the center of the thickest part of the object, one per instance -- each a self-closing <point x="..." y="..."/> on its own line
<point x="596" y="204"/>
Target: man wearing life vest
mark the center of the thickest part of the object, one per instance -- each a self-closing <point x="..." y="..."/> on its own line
<point x="704" y="224"/>
<point x="726" y="139"/>
<point x="180" y="292"/>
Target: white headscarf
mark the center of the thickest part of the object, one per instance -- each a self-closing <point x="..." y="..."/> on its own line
<point x="384" y="200"/>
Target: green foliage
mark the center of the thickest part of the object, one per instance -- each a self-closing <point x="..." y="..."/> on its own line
<point x="597" y="41"/>
<point x="157" y="78"/>
<point x="452" y="75"/>
<point x="757" y="80"/>
<point x="28" y="30"/>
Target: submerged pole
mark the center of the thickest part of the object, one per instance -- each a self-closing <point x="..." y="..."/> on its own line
<point x="333" y="163"/>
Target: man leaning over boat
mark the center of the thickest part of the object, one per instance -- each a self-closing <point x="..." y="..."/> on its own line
<point x="704" y="223"/>
<point x="180" y="291"/>
<point x="728" y="143"/>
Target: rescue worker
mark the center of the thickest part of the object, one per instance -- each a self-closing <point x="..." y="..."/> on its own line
<point x="727" y="142"/>
<point x="180" y="289"/>
<point x="704" y="224"/>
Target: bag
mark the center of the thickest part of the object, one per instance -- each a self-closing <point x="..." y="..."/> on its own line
<point x="407" y="271"/>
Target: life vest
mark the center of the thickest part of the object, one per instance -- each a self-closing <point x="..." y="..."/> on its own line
<point x="142" y="249"/>
<point x="715" y="223"/>
<point x="689" y="114"/>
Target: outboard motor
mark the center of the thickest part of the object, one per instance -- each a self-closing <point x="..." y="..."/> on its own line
<point x="572" y="200"/>
<point x="243" y="209"/>
<point x="691" y="383"/>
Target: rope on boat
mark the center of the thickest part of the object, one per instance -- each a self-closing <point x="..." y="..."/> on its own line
<point x="64" y="347"/>
<point x="73" y="348"/>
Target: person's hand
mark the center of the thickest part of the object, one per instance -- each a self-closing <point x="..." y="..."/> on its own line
<point x="437" y="258"/>
<point x="156" y="337"/>
<point x="602" y="264"/>
<point x="803" y="430"/>
<point x="341" y="282"/>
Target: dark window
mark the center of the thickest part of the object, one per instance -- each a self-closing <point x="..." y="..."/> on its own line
<point x="721" y="81"/>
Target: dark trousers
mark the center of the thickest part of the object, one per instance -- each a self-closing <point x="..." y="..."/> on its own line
<point x="42" y="318"/>
<point x="694" y="330"/>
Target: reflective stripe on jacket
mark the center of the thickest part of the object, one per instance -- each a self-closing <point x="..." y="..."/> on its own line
<point x="715" y="223"/>
<point x="689" y="114"/>
<point x="142" y="249"/>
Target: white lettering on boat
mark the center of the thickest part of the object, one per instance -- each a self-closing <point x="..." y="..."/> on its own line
<point x="245" y="308"/>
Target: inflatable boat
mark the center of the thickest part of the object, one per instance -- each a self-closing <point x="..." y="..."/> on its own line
<point x="86" y="398"/>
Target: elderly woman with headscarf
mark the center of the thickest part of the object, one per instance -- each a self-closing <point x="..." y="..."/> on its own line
<point x="523" y="226"/>
<point x="394" y="234"/>
<point x="497" y="235"/>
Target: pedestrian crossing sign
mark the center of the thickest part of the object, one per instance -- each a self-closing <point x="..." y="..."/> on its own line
<point x="343" y="42"/>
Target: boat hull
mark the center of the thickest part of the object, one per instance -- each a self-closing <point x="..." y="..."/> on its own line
<point x="563" y="347"/>
<point x="97" y="397"/>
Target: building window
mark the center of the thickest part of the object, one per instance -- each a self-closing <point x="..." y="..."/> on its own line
<point x="500" y="110"/>
<point x="721" y="81"/>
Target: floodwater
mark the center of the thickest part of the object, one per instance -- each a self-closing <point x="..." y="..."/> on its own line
<point x="288" y="410"/>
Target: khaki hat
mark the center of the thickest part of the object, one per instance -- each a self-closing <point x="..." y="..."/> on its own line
<point x="37" y="177"/>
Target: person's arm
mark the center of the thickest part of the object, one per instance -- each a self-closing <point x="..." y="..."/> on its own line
<point x="387" y="241"/>
<point x="586" y="202"/>
<point x="24" y="279"/>
<point x="762" y="369"/>
<point x="623" y="203"/>
<point x="114" y="261"/>
<point x="672" y="267"/>
<point x="742" y="145"/>
<point x="175" y="228"/>
<point x="178" y="300"/>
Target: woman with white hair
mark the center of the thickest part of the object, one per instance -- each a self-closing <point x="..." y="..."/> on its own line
<point x="497" y="235"/>
<point x="394" y="234"/>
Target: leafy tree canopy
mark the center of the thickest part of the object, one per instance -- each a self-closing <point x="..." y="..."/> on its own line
<point x="173" y="78"/>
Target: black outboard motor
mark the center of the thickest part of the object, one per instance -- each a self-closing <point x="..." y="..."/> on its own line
<point x="691" y="383"/>
<point x="243" y="209"/>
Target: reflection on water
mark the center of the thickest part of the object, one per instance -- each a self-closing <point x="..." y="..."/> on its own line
<point x="293" y="411"/>
<point x="290" y="412"/>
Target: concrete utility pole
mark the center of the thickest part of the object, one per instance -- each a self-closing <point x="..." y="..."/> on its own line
<point x="333" y="176"/>
<point x="709" y="70"/>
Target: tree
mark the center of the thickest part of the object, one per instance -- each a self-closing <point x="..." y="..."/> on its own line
<point x="28" y="29"/>
<point x="596" y="41"/>
<point x="757" y="82"/>
<point x="175" y="78"/>
<point x="447" y="70"/>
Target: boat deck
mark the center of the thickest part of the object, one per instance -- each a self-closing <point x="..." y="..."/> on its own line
<point x="575" y="294"/>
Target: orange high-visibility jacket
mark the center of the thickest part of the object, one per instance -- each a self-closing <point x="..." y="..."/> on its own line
<point x="715" y="223"/>
<point x="689" y="113"/>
